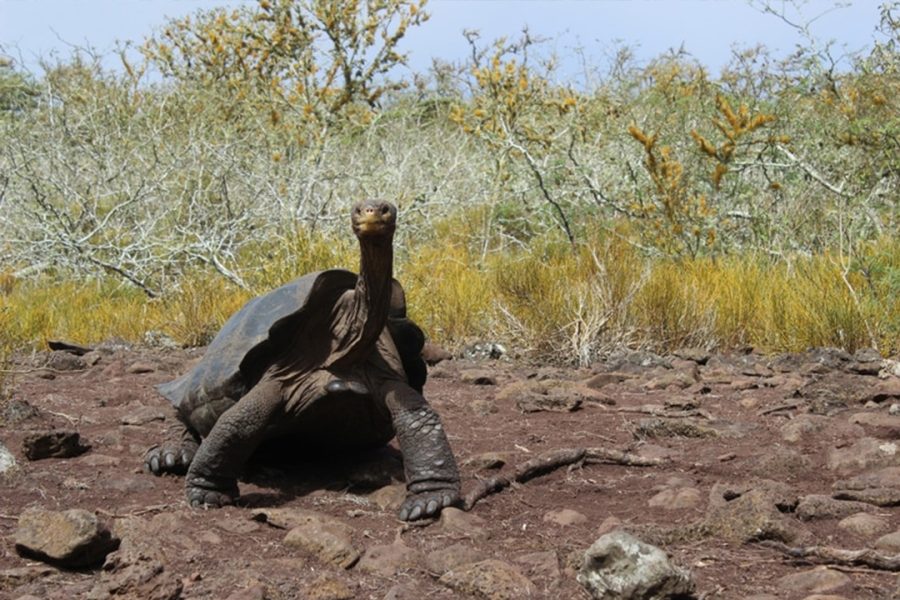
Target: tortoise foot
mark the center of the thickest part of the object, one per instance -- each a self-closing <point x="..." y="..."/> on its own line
<point x="170" y="457"/>
<point x="427" y="504"/>
<point x="210" y="492"/>
<point x="338" y="386"/>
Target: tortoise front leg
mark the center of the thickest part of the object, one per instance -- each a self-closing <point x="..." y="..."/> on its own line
<point x="432" y="478"/>
<point x="211" y="479"/>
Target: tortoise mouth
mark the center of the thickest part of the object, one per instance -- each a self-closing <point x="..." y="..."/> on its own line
<point x="372" y="218"/>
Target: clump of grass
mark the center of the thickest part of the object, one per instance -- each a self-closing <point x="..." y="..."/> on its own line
<point x="564" y="304"/>
<point x="6" y="350"/>
<point x="674" y="309"/>
<point x="448" y="293"/>
<point x="79" y="312"/>
<point x="203" y="302"/>
<point x="549" y="301"/>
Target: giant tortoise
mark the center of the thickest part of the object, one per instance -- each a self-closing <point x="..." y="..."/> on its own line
<point x="329" y="361"/>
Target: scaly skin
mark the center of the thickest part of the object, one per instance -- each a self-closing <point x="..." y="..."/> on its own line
<point x="211" y="479"/>
<point x="432" y="478"/>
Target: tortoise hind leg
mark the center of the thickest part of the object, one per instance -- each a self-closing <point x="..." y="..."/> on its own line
<point x="173" y="455"/>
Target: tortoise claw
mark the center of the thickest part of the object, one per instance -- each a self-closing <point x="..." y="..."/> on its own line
<point x="426" y="504"/>
<point x="170" y="457"/>
<point x="205" y="492"/>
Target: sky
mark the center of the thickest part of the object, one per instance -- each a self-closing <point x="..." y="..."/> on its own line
<point x="707" y="29"/>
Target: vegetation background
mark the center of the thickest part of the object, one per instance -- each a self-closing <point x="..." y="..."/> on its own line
<point x="661" y="207"/>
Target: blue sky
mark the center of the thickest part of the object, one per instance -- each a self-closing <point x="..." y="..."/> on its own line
<point x="708" y="29"/>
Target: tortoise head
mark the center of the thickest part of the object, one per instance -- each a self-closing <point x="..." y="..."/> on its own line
<point x="373" y="219"/>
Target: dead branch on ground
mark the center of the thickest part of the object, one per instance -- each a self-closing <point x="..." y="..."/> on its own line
<point x="839" y="556"/>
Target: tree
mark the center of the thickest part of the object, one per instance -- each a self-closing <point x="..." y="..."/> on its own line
<point x="321" y="60"/>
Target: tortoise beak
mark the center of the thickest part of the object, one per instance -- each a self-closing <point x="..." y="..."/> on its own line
<point x="373" y="218"/>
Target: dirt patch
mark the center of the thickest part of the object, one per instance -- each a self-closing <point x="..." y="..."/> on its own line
<point x="734" y="447"/>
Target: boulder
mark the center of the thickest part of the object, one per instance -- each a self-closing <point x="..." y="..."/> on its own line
<point x="72" y="538"/>
<point x="619" y="566"/>
<point x="53" y="444"/>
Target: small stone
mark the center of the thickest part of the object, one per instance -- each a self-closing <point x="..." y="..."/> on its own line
<point x="490" y="579"/>
<point x="818" y="506"/>
<point x="601" y="380"/>
<point x="889" y="543"/>
<point x="555" y="395"/>
<point x="697" y="355"/>
<point x="16" y="576"/>
<point x="138" y="414"/>
<point x="564" y="517"/>
<point x="486" y="461"/>
<point x="679" y="498"/>
<point x="326" y="538"/>
<point x="864" y="524"/>
<point x="137" y="569"/>
<point x="609" y="524"/>
<point x="883" y="391"/>
<point x="865" y="453"/>
<point x="387" y="559"/>
<point x="389" y="497"/>
<point x="888" y="477"/>
<point x="754" y="514"/>
<point x="254" y="592"/>
<point x="140" y="367"/>
<point x="16" y="411"/>
<point x="483" y="406"/>
<point x="445" y="559"/>
<point x="544" y="565"/>
<point x="618" y="566"/>
<point x="61" y="360"/>
<point x="404" y="592"/>
<point x="454" y="520"/>
<point x="879" y="424"/>
<point x="54" y="444"/>
<point x="433" y="354"/>
<point x="677" y="379"/>
<point x="688" y="428"/>
<point x="656" y="451"/>
<point x="7" y="460"/>
<point x="241" y="526"/>
<point x="867" y="355"/>
<point x="744" y="383"/>
<point x="820" y="579"/>
<point x="478" y="376"/>
<point x="327" y="587"/>
<point x="99" y="460"/>
<point x="71" y="538"/>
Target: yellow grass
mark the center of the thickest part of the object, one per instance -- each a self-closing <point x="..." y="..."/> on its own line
<point x="548" y="302"/>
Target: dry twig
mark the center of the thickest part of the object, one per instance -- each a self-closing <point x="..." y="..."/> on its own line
<point x="839" y="556"/>
<point x="550" y="461"/>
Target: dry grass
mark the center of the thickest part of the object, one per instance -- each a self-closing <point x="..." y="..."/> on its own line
<point x="547" y="301"/>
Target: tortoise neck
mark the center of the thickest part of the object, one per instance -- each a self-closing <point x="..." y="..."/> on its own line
<point x="367" y="312"/>
<point x="373" y="287"/>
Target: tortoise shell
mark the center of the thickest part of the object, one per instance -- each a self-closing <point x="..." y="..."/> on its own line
<point x="249" y="341"/>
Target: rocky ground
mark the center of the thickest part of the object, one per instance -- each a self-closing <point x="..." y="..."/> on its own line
<point x="726" y="462"/>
